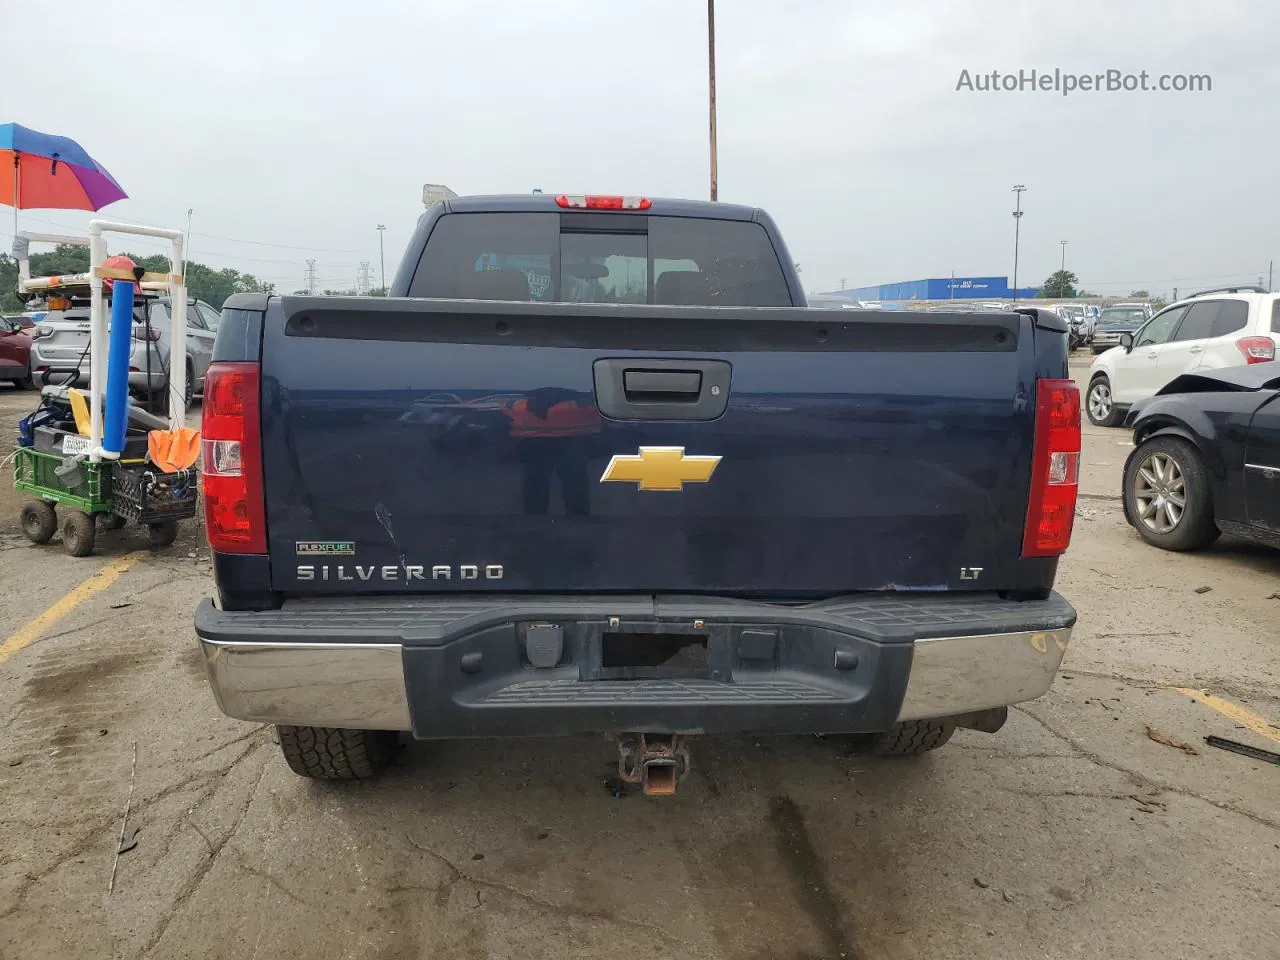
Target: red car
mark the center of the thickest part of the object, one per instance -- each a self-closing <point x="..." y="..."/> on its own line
<point x="15" y="352"/>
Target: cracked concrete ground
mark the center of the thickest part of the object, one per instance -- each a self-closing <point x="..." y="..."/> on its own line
<point x="1070" y="833"/>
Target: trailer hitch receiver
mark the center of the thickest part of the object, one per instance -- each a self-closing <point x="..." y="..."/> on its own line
<point x="658" y="762"/>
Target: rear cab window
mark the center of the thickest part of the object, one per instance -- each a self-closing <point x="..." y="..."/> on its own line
<point x="600" y="258"/>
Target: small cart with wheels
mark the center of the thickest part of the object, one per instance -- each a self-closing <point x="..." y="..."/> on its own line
<point x="75" y="471"/>
<point x="82" y="490"/>
<point x="85" y="493"/>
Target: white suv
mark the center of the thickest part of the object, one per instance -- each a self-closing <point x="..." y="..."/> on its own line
<point x="1209" y="331"/>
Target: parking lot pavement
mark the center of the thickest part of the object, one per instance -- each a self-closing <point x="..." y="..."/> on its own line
<point x="1076" y="831"/>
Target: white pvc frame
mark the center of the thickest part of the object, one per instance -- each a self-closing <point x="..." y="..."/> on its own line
<point x="97" y="320"/>
<point x="98" y="328"/>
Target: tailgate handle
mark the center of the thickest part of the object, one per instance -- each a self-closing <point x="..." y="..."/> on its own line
<point x="644" y="388"/>
<point x="676" y="386"/>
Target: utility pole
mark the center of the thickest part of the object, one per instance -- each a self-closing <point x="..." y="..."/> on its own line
<point x="311" y="277"/>
<point x="364" y="278"/>
<point x="1063" y="243"/>
<point x="711" y="77"/>
<point x="844" y="284"/>
<point x="186" y="247"/>
<point x="1017" y="227"/>
<point x="1270" y="269"/>
<point x="382" y="256"/>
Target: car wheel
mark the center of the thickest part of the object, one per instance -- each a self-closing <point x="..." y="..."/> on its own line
<point x="39" y="521"/>
<point x="25" y="383"/>
<point x="1100" y="405"/>
<point x="1167" y="495"/>
<point x="189" y="395"/>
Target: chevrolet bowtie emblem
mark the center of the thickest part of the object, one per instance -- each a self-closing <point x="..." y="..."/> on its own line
<point x="660" y="468"/>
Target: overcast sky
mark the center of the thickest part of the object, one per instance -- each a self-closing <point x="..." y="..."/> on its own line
<point x="303" y="125"/>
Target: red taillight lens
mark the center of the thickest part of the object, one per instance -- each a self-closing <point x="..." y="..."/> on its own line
<point x="595" y="202"/>
<point x="231" y="448"/>
<point x="146" y="333"/>
<point x="1257" y="349"/>
<point x="1055" y="469"/>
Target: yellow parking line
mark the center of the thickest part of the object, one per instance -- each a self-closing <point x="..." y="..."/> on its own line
<point x="104" y="578"/>
<point x="1233" y="711"/>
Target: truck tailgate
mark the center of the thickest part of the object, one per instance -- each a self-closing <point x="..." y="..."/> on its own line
<point x="429" y="445"/>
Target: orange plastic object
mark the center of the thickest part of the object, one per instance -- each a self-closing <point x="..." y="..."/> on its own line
<point x="173" y="450"/>
<point x="120" y="262"/>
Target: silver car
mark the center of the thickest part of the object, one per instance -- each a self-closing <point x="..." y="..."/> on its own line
<point x="60" y="346"/>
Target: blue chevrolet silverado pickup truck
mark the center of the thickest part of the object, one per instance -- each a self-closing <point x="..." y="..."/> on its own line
<point x="594" y="467"/>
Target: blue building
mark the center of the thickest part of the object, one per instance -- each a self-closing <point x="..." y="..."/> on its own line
<point x="943" y="288"/>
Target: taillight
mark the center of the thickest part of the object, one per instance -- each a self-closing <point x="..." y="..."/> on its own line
<point x="597" y="202"/>
<point x="37" y="332"/>
<point x="231" y="449"/>
<point x="1257" y="349"/>
<point x="146" y="333"/>
<point x="1055" y="469"/>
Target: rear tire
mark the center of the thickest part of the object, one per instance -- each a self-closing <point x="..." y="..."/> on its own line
<point x="331" y="753"/>
<point x="78" y="533"/>
<point x="163" y="533"/>
<point x="26" y="383"/>
<point x="39" y="521"/>
<point x="907" y="739"/>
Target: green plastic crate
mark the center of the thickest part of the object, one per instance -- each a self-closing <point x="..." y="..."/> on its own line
<point x="34" y="473"/>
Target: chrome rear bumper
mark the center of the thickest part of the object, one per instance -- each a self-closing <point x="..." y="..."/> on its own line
<point x="432" y="691"/>
<point x="954" y="675"/>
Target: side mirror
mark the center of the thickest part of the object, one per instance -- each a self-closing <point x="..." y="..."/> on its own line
<point x="1126" y="341"/>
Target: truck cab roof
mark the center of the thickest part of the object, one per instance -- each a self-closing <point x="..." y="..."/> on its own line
<point x="547" y="203"/>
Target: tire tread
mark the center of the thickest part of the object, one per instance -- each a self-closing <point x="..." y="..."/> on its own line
<point x="913" y="737"/>
<point x="332" y="753"/>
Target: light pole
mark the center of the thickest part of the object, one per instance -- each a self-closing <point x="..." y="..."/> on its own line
<point x="1063" y="244"/>
<point x="186" y="247"/>
<point x="382" y="257"/>
<point x="711" y="87"/>
<point x="1017" y="227"/>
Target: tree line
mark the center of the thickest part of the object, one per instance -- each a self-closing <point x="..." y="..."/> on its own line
<point x="1061" y="285"/>
<point x="210" y="284"/>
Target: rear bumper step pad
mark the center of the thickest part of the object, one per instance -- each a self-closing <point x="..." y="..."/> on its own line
<point x="458" y="667"/>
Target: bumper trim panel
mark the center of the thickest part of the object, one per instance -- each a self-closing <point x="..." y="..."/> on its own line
<point x="354" y="686"/>
<point x="954" y="675"/>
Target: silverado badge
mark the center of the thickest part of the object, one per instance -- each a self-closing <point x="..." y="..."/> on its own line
<point x="660" y="468"/>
